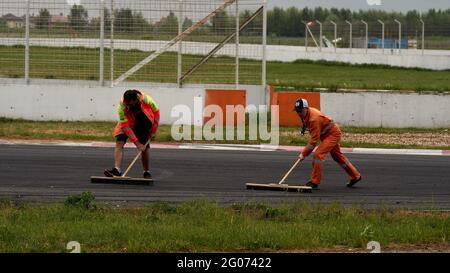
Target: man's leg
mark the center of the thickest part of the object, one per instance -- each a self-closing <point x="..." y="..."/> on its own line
<point x="142" y="132"/>
<point x="118" y="154"/>
<point x="342" y="160"/>
<point x="319" y="157"/>
<point x="145" y="158"/>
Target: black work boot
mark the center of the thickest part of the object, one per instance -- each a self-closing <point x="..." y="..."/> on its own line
<point x="354" y="181"/>
<point x="147" y="175"/>
<point x="312" y="185"/>
<point x="112" y="172"/>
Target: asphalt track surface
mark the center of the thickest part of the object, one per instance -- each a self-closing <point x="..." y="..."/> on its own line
<point x="51" y="173"/>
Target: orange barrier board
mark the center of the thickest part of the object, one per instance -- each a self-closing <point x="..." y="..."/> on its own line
<point x="222" y="98"/>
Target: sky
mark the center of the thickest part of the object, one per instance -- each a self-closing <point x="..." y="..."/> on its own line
<point x="387" y="5"/>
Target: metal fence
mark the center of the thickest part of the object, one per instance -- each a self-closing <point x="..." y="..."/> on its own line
<point x="388" y="35"/>
<point x="177" y="41"/>
<point x="112" y="40"/>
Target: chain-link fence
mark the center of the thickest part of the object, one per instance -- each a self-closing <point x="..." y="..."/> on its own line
<point x="104" y="40"/>
<point x="136" y="40"/>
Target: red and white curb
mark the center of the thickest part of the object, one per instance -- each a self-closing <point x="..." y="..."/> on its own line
<point x="227" y="147"/>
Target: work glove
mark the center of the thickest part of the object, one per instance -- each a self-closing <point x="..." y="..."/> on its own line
<point x="301" y="157"/>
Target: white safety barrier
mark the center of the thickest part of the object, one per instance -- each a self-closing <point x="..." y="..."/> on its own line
<point x="63" y="100"/>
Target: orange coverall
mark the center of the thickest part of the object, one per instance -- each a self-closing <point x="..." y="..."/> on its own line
<point x="323" y="127"/>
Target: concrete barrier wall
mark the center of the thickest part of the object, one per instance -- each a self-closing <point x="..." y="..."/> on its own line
<point x="61" y="100"/>
<point x="88" y="103"/>
<point x="370" y="109"/>
<point x="434" y="62"/>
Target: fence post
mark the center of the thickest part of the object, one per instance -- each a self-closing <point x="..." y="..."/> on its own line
<point x="399" y="36"/>
<point x="27" y="44"/>
<point x="180" y="43"/>
<point x="111" y="45"/>
<point x="264" y="51"/>
<point x="237" y="46"/>
<point x="423" y="36"/>
<point x="102" y="43"/>
<point x="320" y="35"/>
<point x="335" y="35"/>
<point x="351" y="35"/>
<point x="306" y="36"/>
<point x="367" y="35"/>
<point x="382" y="34"/>
<point x="310" y="32"/>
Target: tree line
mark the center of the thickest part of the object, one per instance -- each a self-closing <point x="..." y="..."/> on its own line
<point x="285" y="22"/>
<point x="280" y="22"/>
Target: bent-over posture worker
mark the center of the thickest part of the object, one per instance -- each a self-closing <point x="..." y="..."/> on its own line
<point x="323" y="128"/>
<point x="138" y="121"/>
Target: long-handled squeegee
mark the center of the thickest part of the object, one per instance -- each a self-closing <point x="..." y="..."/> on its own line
<point x="124" y="179"/>
<point x="280" y="186"/>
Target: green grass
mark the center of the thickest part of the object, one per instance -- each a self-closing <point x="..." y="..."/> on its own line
<point x="203" y="226"/>
<point x="304" y="74"/>
<point x="64" y="130"/>
<point x="83" y="64"/>
<point x="78" y="63"/>
<point x="103" y="131"/>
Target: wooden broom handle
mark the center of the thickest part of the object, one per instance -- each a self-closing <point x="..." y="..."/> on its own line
<point x="289" y="172"/>
<point x="134" y="160"/>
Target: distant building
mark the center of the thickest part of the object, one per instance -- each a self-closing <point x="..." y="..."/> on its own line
<point x="13" y="21"/>
<point x="378" y="43"/>
<point x="59" y="19"/>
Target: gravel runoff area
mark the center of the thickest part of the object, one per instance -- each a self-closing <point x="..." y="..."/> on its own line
<point x="437" y="139"/>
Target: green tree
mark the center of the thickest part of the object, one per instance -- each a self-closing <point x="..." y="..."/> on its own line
<point x="275" y="21"/>
<point x="293" y="23"/>
<point x="140" y="24"/>
<point x="345" y="14"/>
<point x="168" y="24"/>
<point x="43" y="20"/>
<point x="253" y="28"/>
<point x="78" y="17"/>
<point x="412" y="23"/>
<point x="306" y="15"/>
<point x="187" y="23"/>
<point x="123" y="20"/>
<point x="221" y="22"/>
<point x="321" y="14"/>
<point x="95" y="22"/>
<point x="288" y="23"/>
<point x="107" y="16"/>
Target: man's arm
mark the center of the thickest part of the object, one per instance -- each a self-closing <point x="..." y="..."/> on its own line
<point x="125" y="125"/>
<point x="314" y="132"/>
<point x="155" y="124"/>
<point x="150" y="101"/>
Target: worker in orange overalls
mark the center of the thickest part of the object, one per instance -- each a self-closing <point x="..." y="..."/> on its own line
<point x="322" y="128"/>
<point x="138" y="121"/>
